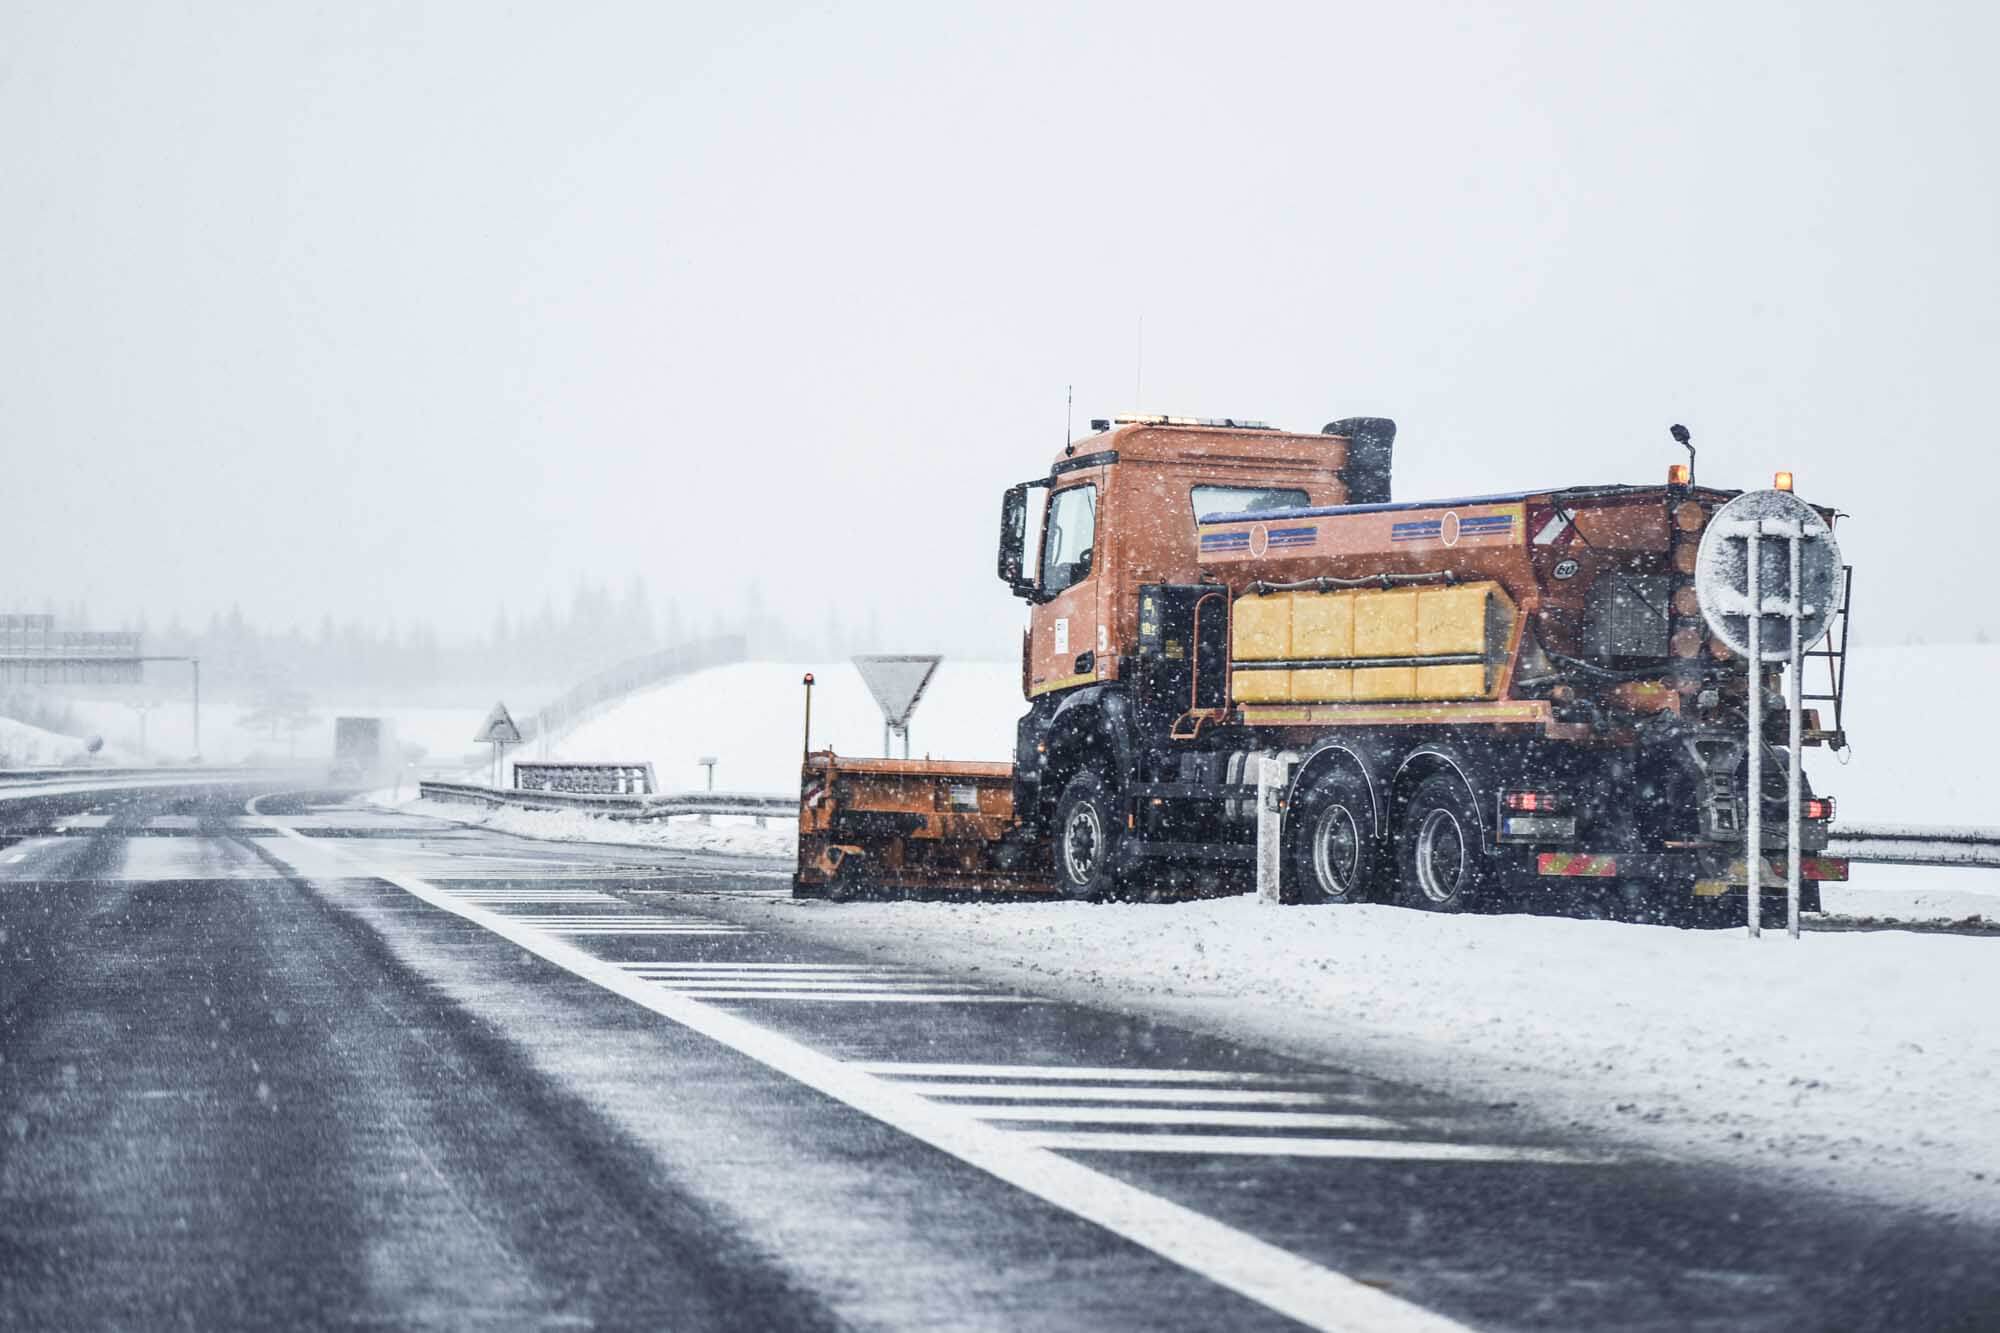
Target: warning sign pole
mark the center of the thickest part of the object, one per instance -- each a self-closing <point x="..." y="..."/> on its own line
<point x="498" y="731"/>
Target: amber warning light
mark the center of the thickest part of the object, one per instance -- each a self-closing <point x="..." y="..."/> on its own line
<point x="1678" y="474"/>
<point x="1782" y="482"/>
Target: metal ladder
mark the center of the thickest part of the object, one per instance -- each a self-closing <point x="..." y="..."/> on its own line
<point x="1833" y="648"/>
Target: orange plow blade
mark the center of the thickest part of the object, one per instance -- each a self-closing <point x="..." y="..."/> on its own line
<point x="911" y="825"/>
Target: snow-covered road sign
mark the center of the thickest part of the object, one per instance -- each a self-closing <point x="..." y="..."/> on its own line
<point x="499" y="728"/>
<point x="897" y="681"/>
<point x="1724" y="586"/>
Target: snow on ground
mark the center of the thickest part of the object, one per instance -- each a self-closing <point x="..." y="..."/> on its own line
<point x="24" y="746"/>
<point x="741" y="837"/>
<point x="1863" y="1060"/>
<point x="752" y="718"/>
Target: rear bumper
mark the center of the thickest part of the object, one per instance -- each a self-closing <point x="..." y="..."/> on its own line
<point x="1713" y="871"/>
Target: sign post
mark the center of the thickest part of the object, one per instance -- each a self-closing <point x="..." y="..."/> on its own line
<point x="897" y="680"/>
<point x="1769" y="555"/>
<point x="498" y="731"/>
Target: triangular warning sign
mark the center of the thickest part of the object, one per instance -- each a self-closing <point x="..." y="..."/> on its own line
<point x="897" y="682"/>
<point x="499" y="728"/>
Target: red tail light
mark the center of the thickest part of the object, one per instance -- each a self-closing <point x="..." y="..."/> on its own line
<point x="1540" y="802"/>
<point x="1818" y="807"/>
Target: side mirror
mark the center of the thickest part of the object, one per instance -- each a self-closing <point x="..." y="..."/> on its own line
<point x="1013" y="534"/>
<point x="1014" y="568"/>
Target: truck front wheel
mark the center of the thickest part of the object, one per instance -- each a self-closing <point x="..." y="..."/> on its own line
<point x="1438" y="847"/>
<point x="1086" y="838"/>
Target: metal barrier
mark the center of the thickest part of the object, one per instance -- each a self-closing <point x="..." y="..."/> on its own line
<point x="596" y="779"/>
<point x="1917" y="844"/>
<point x="620" y="806"/>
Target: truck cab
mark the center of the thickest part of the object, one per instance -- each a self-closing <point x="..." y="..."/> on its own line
<point x="1119" y="509"/>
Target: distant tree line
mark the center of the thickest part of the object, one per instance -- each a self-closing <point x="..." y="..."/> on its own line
<point x="550" y="644"/>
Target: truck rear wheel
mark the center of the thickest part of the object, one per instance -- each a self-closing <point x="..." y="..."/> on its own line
<point x="1333" y="854"/>
<point x="1086" y="838"/>
<point x="1438" y="847"/>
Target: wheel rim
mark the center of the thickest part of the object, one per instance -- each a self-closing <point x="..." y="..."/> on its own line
<point x="1441" y="863"/>
<point x="1083" y="844"/>
<point x="1336" y="850"/>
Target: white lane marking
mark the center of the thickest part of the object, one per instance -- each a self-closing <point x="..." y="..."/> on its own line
<point x="1180" y="1115"/>
<point x="608" y="916"/>
<point x="1275" y="1278"/>
<point x="643" y="931"/>
<point x="793" y="981"/>
<point x="830" y="985"/>
<point x="552" y="893"/>
<point x="1017" y="1092"/>
<point x="1245" y="1145"/>
<point x="1075" y="1073"/>
<point x="17" y="856"/>
<point x="863" y="997"/>
<point x="781" y="968"/>
<point x="694" y="972"/>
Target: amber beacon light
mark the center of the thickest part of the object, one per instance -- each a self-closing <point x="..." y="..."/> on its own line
<point x="1782" y="481"/>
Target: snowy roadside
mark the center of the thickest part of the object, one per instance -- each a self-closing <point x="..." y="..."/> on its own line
<point x="737" y="836"/>
<point x="1861" y="1061"/>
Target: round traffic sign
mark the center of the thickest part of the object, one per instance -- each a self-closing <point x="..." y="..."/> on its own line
<point x="1722" y="572"/>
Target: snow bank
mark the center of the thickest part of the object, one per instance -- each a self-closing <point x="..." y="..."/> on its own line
<point x="752" y="717"/>
<point x="779" y="840"/>
<point x="1857" y="1060"/>
<point x="25" y="746"/>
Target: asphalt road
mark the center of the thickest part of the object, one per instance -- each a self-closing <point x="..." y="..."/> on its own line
<point x="312" y="1065"/>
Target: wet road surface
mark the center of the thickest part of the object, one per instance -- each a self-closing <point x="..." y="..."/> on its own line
<point x="279" y="1061"/>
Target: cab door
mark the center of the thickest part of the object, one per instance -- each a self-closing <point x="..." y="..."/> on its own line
<point x="1067" y="629"/>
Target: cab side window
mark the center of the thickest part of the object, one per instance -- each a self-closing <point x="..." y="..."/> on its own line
<point x="1067" y="546"/>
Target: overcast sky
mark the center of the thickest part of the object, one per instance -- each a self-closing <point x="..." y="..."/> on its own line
<point x="414" y="309"/>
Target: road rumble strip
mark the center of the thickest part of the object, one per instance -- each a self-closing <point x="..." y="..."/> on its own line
<point x="1315" y="1296"/>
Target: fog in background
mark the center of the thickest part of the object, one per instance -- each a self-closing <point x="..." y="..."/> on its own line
<point x="422" y="312"/>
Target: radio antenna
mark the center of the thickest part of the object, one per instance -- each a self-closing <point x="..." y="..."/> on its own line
<point x="1139" y="370"/>
<point x="1069" y="414"/>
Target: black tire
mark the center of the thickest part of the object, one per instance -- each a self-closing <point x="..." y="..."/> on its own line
<point x="1084" y="842"/>
<point x="1333" y="854"/>
<point x="1440" y="854"/>
<point x="850" y="881"/>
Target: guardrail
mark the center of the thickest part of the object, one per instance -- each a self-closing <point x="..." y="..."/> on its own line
<point x="620" y="806"/>
<point x="1917" y="844"/>
<point x="633" y="779"/>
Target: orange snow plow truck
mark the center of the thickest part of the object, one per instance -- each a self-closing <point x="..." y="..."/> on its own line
<point x="1471" y="700"/>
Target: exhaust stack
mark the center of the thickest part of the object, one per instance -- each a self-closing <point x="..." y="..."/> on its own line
<point x="1371" y="441"/>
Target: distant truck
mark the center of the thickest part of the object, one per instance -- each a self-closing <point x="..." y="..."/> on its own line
<point x="1471" y="699"/>
<point x="361" y="750"/>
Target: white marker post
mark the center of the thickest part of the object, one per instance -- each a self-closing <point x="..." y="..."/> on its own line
<point x="1753" y="850"/>
<point x="1273" y="771"/>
